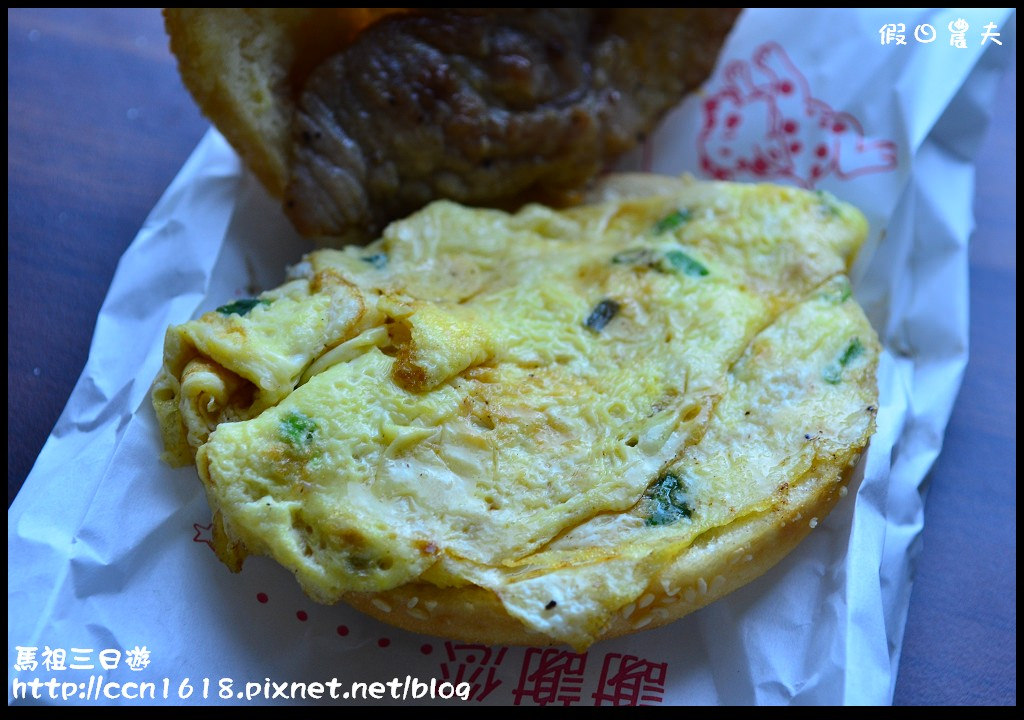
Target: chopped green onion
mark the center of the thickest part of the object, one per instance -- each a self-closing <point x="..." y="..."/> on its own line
<point x="672" y="221"/>
<point x="672" y="261"/>
<point x="834" y="372"/>
<point x="601" y="315"/>
<point x="852" y="352"/>
<point x="378" y="260"/>
<point x="667" y="501"/>
<point x="242" y="306"/>
<point x="828" y="205"/>
<point x="297" y="429"/>
<point x="679" y="260"/>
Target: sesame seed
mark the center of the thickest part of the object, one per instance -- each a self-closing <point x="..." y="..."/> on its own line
<point x="412" y="603"/>
<point x="641" y="623"/>
<point x="843" y="491"/>
<point x="628" y="610"/>
<point x="814" y="523"/>
<point x="702" y="586"/>
<point x="690" y="595"/>
<point x="419" y="614"/>
<point x="381" y="605"/>
<point x="718" y="583"/>
<point x="646" y="600"/>
<point x="431" y="605"/>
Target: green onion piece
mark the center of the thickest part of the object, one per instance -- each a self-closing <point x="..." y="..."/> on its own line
<point x="852" y="352"/>
<point x="297" y="429"/>
<point x="601" y="315"/>
<point x="241" y="307"/>
<point x="834" y="372"/>
<point x="672" y="221"/>
<point x="667" y="501"/>
<point x="678" y="260"/>
<point x="828" y="206"/>
<point x="378" y="260"/>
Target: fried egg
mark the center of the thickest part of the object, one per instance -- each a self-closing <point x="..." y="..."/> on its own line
<point x="548" y="406"/>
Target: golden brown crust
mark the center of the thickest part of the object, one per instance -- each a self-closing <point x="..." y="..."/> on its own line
<point x="715" y="565"/>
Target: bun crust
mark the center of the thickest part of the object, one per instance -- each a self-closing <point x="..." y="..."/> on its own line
<point x="711" y="568"/>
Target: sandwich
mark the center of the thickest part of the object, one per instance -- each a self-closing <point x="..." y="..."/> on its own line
<point x="539" y="407"/>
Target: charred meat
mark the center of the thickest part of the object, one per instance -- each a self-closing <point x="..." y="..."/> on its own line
<point x="487" y="107"/>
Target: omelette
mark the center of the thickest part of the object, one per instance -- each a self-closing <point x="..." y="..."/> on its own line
<point x="542" y="426"/>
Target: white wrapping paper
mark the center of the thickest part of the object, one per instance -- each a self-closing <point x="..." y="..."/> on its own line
<point x="106" y="551"/>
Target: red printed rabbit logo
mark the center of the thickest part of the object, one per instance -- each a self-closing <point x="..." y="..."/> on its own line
<point x="772" y="127"/>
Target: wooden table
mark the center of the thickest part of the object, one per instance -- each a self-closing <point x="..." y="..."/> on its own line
<point x="98" y="124"/>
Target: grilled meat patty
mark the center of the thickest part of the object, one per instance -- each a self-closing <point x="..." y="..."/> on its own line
<point x="484" y="107"/>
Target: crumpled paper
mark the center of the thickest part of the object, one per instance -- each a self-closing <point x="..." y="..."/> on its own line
<point x="108" y="549"/>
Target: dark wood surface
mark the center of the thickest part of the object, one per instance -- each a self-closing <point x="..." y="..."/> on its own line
<point x="98" y="125"/>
